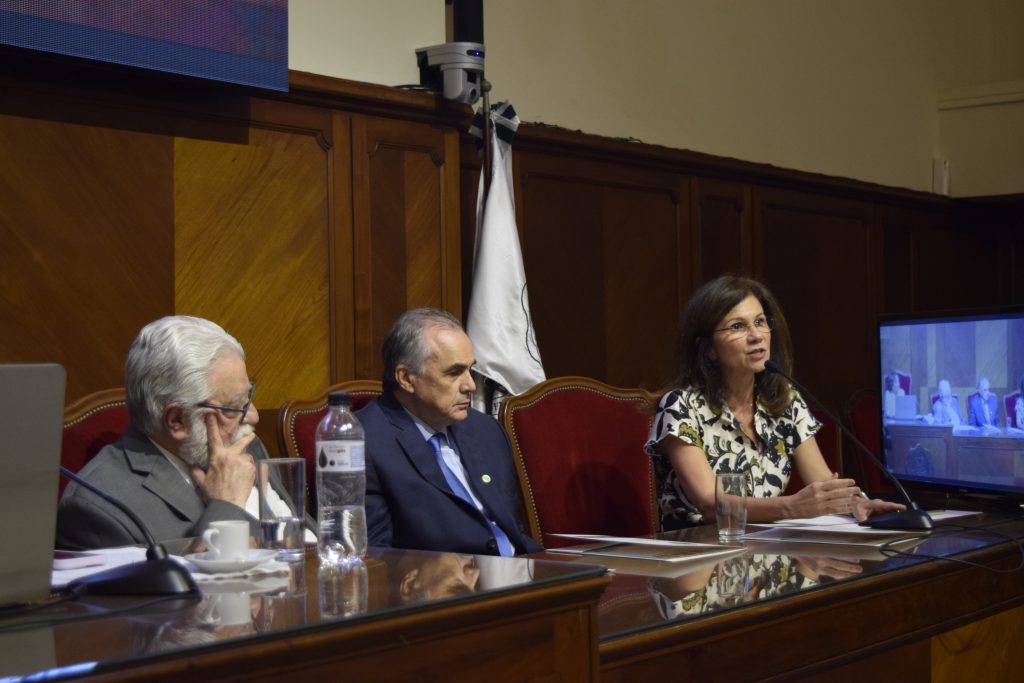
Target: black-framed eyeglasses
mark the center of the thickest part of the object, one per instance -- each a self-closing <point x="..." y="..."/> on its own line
<point x="762" y="324"/>
<point x="229" y="410"/>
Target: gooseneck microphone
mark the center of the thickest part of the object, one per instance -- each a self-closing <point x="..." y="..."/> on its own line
<point x="158" y="575"/>
<point x="911" y="519"/>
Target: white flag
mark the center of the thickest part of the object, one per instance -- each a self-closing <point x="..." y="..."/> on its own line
<point x="499" y="322"/>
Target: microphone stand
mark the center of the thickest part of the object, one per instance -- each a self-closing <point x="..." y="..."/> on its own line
<point x="911" y="519"/>
<point x="158" y="575"/>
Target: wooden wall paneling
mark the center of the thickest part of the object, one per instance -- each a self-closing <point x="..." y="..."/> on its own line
<point x="930" y="263"/>
<point x="898" y="262"/>
<point x="999" y="221"/>
<point x="954" y="269"/>
<point x="342" y="253"/>
<point x="86" y="241"/>
<point x="722" y="224"/>
<point x="406" y="224"/>
<point x="816" y="253"/>
<point x="606" y="250"/>
<point x="252" y="245"/>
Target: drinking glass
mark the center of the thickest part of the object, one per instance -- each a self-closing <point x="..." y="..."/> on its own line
<point x="731" y="506"/>
<point x="282" y="491"/>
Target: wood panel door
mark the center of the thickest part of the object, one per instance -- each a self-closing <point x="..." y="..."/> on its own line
<point x="722" y="227"/>
<point x="817" y="255"/>
<point x="86" y="244"/>
<point x="406" y="227"/>
<point x="607" y="258"/>
<point x="252" y="244"/>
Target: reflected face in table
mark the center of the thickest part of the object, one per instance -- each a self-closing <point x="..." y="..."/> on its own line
<point x="440" y="576"/>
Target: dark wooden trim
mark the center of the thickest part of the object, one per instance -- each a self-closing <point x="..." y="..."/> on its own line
<point x="377" y="100"/>
<point x="554" y="141"/>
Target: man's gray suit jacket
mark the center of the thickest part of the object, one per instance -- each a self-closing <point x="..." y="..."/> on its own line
<point x="135" y="472"/>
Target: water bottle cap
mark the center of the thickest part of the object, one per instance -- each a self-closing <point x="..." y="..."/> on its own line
<point x="339" y="398"/>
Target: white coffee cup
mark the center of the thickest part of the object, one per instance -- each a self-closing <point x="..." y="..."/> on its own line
<point x="227" y="540"/>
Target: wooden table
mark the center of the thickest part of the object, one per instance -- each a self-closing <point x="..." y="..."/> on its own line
<point x="902" y="618"/>
<point x="538" y="625"/>
<point x="799" y="613"/>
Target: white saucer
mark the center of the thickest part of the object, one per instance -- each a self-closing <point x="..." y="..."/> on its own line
<point x="211" y="566"/>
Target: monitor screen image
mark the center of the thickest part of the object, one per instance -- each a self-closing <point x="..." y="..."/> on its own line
<point x="953" y="401"/>
<point x="238" y="41"/>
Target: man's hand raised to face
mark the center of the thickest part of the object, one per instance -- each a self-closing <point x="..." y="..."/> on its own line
<point x="231" y="472"/>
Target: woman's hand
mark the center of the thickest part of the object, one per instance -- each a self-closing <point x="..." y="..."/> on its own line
<point x="832" y="496"/>
<point x="866" y="507"/>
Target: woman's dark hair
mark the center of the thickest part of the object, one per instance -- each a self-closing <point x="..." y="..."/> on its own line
<point x="703" y="315"/>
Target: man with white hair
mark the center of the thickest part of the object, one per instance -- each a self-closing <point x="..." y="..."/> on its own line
<point x="188" y="458"/>
<point x="946" y="408"/>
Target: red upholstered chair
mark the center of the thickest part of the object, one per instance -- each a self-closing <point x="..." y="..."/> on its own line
<point x="1010" y="403"/>
<point x="830" y="443"/>
<point x="904" y="379"/>
<point x="863" y="416"/>
<point x="90" y="423"/>
<point x="298" y="419"/>
<point x="578" y="449"/>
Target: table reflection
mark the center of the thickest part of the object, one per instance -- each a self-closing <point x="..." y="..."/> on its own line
<point x="744" y="578"/>
<point x="288" y="596"/>
<point x="765" y="571"/>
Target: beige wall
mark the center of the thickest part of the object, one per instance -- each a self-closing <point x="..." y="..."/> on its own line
<point x="841" y="88"/>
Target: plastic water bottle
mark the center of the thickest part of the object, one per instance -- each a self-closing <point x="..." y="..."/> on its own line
<point x="340" y="482"/>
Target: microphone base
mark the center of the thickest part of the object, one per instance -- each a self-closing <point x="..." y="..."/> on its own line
<point x="153" y="577"/>
<point x="905" y="520"/>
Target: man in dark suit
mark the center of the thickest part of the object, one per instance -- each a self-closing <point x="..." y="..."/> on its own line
<point x="439" y="475"/>
<point x="983" y="406"/>
<point x="188" y="457"/>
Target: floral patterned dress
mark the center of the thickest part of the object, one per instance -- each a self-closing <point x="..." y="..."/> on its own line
<point x="687" y="415"/>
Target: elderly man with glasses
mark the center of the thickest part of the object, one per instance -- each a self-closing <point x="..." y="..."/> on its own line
<point x="188" y="458"/>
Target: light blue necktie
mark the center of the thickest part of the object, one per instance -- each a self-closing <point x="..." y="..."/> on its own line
<point x="505" y="547"/>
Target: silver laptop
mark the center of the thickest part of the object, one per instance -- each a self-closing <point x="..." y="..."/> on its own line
<point x="31" y="425"/>
<point x="906" y="408"/>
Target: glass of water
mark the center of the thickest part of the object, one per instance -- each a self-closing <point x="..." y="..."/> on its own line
<point x="282" y="494"/>
<point x="731" y="506"/>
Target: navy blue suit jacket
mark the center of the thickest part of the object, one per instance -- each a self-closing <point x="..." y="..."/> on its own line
<point x="408" y="502"/>
<point x="976" y="410"/>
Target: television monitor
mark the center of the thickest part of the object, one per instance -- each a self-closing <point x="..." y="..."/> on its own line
<point x="238" y="41"/>
<point x="953" y="402"/>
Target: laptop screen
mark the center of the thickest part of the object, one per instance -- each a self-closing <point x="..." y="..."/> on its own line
<point x="31" y="424"/>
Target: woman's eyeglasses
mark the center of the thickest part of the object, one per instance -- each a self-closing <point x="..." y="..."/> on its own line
<point x="762" y="325"/>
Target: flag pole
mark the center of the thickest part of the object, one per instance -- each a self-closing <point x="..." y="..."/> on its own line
<point x="485" y="87"/>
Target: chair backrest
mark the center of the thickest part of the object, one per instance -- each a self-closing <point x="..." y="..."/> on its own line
<point x="297" y="421"/>
<point x="863" y="414"/>
<point x="1010" y="403"/>
<point x="936" y="396"/>
<point x="90" y="423"/>
<point x="904" y="379"/>
<point x="578" y="450"/>
<point x="830" y="443"/>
